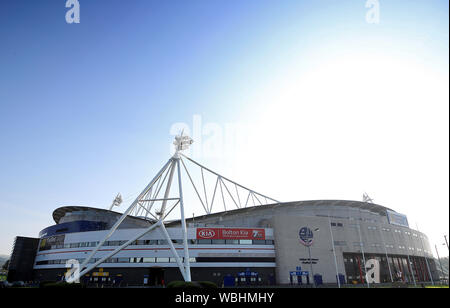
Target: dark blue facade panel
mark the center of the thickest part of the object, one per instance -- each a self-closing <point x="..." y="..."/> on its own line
<point x="73" y="226"/>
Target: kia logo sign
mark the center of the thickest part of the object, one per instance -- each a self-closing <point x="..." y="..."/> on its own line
<point x="230" y="233"/>
<point x="207" y="233"/>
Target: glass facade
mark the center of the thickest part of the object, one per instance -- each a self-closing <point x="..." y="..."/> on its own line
<point x="400" y="267"/>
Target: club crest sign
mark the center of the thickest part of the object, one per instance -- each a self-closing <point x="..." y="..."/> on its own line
<point x="306" y="236"/>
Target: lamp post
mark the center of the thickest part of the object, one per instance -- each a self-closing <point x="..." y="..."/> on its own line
<point x="439" y="259"/>
<point x="306" y="238"/>
<point x="310" y="261"/>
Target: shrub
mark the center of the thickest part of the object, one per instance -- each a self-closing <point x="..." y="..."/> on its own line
<point x="208" y="284"/>
<point x="62" y="285"/>
<point x="45" y="282"/>
<point x="193" y="284"/>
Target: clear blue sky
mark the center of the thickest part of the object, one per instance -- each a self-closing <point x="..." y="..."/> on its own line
<point x="85" y="109"/>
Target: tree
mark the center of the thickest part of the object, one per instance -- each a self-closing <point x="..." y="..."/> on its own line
<point x="5" y="265"/>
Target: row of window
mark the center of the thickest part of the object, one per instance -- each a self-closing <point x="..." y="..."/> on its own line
<point x="359" y="244"/>
<point x="165" y="260"/>
<point x="160" y="242"/>
<point x="119" y="260"/>
<point x="384" y="229"/>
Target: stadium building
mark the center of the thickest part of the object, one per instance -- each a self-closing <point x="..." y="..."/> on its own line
<point x="267" y="243"/>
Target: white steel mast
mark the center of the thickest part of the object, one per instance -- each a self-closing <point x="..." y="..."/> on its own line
<point x="146" y="200"/>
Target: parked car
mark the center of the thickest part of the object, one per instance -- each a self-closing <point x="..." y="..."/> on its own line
<point x="18" y="284"/>
<point x="4" y="284"/>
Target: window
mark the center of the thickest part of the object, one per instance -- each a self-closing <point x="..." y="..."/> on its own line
<point x="123" y="260"/>
<point x="269" y="242"/>
<point x="162" y="260"/>
<point x="233" y="242"/>
<point x="149" y="260"/>
<point x="245" y="242"/>
<point x="340" y="224"/>
<point x="162" y="242"/>
<point x="74" y="245"/>
<point x="333" y="224"/>
<point x="203" y="242"/>
<point x="218" y="241"/>
<point x="259" y="242"/>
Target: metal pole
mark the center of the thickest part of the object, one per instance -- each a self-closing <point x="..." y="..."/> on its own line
<point x="424" y="255"/>
<point x="169" y="184"/>
<point x="310" y="263"/>
<point x="446" y="242"/>
<point x="227" y="178"/>
<point x="174" y="251"/>
<point x="439" y="259"/>
<point x="385" y="251"/>
<point x="183" y="226"/>
<point x="411" y="270"/>
<point x="109" y="255"/>
<point x="125" y="214"/>
<point x="364" y="258"/>
<point x="362" y="248"/>
<point x="334" y="252"/>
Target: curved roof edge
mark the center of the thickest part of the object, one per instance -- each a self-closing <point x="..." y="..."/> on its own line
<point x="62" y="211"/>
<point x="379" y="209"/>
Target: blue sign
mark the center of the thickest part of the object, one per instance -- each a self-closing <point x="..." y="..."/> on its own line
<point x="247" y="274"/>
<point x="306" y="236"/>
<point x="299" y="273"/>
<point x="298" y="268"/>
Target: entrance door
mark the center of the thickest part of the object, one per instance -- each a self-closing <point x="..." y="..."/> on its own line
<point x="156" y="276"/>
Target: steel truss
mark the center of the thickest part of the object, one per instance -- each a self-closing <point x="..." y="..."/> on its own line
<point x="144" y="206"/>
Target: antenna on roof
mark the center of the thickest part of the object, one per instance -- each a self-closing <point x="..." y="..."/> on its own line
<point x="367" y="199"/>
<point x="182" y="142"/>
<point x="117" y="201"/>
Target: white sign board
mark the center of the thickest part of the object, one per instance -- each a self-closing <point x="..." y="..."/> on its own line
<point x="398" y="219"/>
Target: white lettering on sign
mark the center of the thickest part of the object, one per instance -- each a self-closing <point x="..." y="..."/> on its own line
<point x="208" y="233"/>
